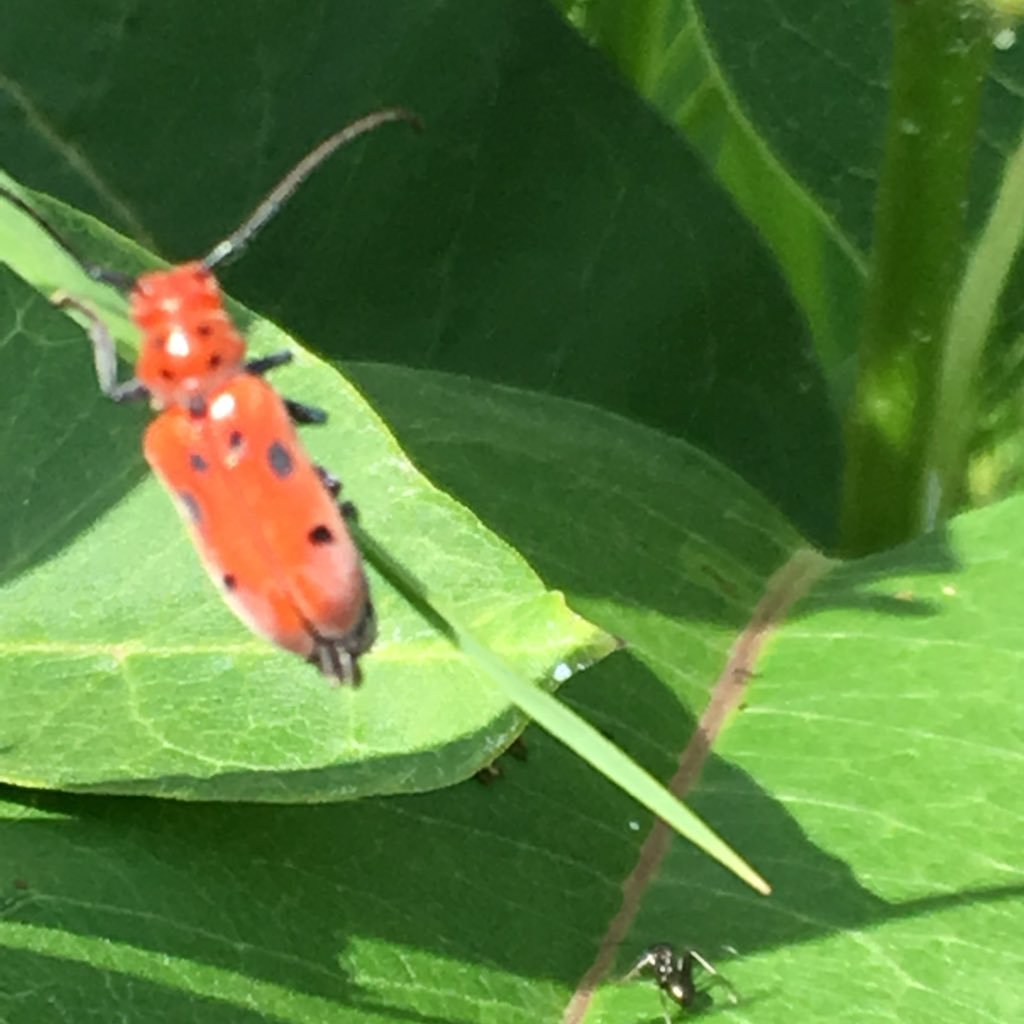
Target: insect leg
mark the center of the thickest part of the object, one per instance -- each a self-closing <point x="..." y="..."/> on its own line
<point x="264" y="364"/>
<point x="335" y="662"/>
<point x="304" y="414"/>
<point x="333" y="485"/>
<point x="104" y="352"/>
<point x="684" y="991"/>
<point x="648" y="958"/>
<point x="299" y="411"/>
<point x="338" y="657"/>
<point x="329" y="480"/>
<point x="490" y="772"/>
<point x="691" y="956"/>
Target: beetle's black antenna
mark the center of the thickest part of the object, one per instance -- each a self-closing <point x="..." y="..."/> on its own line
<point x="115" y="278"/>
<point x="241" y="236"/>
<point x="286" y="187"/>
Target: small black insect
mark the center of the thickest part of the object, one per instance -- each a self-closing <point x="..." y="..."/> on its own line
<point x="492" y="772"/>
<point x="673" y="974"/>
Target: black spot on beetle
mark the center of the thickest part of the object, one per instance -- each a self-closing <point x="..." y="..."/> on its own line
<point x="166" y="375"/>
<point x="320" y="535"/>
<point x="229" y="580"/>
<point x="191" y="506"/>
<point x="198" y="463"/>
<point x="204" y="330"/>
<point x="235" y="440"/>
<point x="279" y="459"/>
<point x="215" y="360"/>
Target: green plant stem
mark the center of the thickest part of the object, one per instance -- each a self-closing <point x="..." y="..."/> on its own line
<point x="940" y="53"/>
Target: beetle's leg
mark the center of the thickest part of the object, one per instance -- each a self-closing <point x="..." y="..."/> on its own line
<point x="304" y="414"/>
<point x="264" y="364"/>
<point x="299" y="411"/>
<point x="104" y="352"/>
<point x="338" y="657"/>
<point x="329" y="480"/>
<point x="336" y="662"/>
<point x="348" y="511"/>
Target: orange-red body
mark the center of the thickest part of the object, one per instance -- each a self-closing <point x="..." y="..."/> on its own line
<point x="262" y="516"/>
<point x="266" y="527"/>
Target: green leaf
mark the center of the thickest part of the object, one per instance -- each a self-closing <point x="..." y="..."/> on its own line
<point x="125" y="673"/>
<point x="546" y="230"/>
<point x="884" y="730"/>
<point x="881" y="723"/>
<point x="873" y="766"/>
<point x="664" y="50"/>
<point x="647" y="537"/>
<point x="358" y="746"/>
<point x="971" y="324"/>
<point x="518" y="826"/>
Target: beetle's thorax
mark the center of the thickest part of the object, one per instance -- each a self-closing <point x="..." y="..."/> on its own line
<point x="190" y="348"/>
